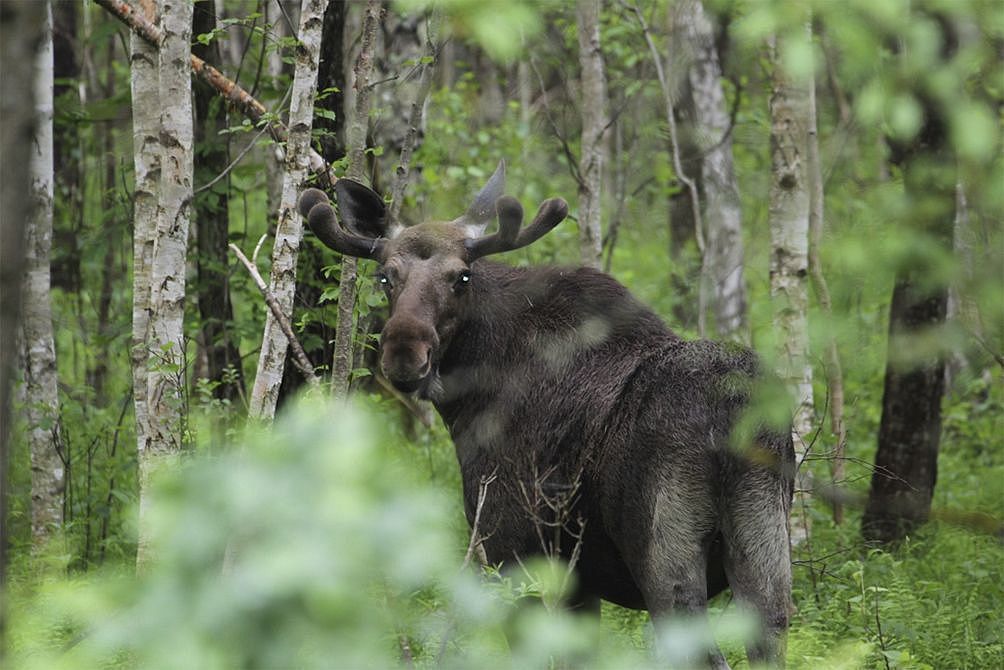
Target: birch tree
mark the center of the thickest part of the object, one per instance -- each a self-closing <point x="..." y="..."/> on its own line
<point x="594" y="96"/>
<point x="289" y="231"/>
<point x="722" y="266"/>
<point x="341" y="366"/>
<point x="789" y="238"/>
<point x="144" y="61"/>
<point x="41" y="393"/>
<point x="166" y="430"/>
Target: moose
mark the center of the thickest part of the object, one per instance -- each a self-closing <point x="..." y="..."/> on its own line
<point x="555" y="379"/>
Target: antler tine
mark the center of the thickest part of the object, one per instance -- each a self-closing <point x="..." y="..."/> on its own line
<point x="321" y="218"/>
<point x="551" y="213"/>
<point x="510" y="215"/>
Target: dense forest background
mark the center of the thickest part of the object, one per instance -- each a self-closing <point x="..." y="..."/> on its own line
<point x="821" y="180"/>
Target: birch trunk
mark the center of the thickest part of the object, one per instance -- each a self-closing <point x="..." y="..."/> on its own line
<point x="146" y="163"/>
<point x="41" y="393"/>
<point x="723" y="255"/>
<point x="289" y="230"/>
<point x="594" y="95"/>
<point x="166" y="429"/>
<point x="789" y="237"/>
<point x="831" y="361"/>
<point x="341" y="366"/>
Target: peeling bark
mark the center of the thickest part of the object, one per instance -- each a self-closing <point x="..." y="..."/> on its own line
<point x="166" y="420"/>
<point x="594" y="119"/>
<point x="289" y="231"/>
<point x="41" y="393"/>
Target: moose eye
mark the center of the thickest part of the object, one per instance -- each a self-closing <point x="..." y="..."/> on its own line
<point x="383" y="279"/>
<point x="463" y="281"/>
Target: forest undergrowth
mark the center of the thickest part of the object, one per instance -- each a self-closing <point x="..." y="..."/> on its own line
<point x="317" y="543"/>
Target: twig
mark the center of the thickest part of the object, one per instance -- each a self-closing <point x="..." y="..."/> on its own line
<point x="244" y="152"/>
<point x="671" y="123"/>
<point x="407" y="402"/>
<point x="299" y="357"/>
<point x="482" y="496"/>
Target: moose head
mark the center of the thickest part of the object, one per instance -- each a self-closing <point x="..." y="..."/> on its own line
<point x="425" y="270"/>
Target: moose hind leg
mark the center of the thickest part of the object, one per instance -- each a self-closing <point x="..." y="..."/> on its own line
<point x="674" y="574"/>
<point x="757" y="557"/>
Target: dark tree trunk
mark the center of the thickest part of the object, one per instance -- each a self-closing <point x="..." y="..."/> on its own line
<point x="906" y="463"/>
<point x="330" y="76"/>
<point x="211" y="212"/>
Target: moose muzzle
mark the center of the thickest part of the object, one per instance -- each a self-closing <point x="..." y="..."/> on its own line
<point x="407" y="346"/>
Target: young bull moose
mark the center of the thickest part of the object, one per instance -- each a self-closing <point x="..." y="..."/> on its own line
<point x="556" y="380"/>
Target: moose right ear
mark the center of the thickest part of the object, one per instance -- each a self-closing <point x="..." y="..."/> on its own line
<point x="361" y="209"/>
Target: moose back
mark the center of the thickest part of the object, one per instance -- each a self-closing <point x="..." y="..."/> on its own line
<point x="610" y="440"/>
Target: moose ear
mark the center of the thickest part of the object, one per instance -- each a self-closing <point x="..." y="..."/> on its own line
<point x="361" y="208"/>
<point x="482" y="210"/>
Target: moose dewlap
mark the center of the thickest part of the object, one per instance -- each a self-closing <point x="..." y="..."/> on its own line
<point x="610" y="438"/>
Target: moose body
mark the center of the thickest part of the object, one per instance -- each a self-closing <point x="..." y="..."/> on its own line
<point x="607" y="438"/>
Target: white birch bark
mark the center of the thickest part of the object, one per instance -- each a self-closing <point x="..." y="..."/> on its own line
<point x="166" y="430"/>
<point x="594" y="119"/>
<point x="289" y="230"/>
<point x="146" y="163"/>
<point x="723" y="255"/>
<point x="41" y="392"/>
<point x="789" y="237"/>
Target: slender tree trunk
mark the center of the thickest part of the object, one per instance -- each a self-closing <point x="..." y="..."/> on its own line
<point x="41" y="393"/>
<point x="212" y="218"/>
<point x="594" y="119"/>
<point x="274" y="68"/>
<point x="676" y="147"/>
<point x="834" y="371"/>
<point x="789" y="233"/>
<point x="341" y="368"/>
<point x="20" y="33"/>
<point x="144" y="61"/>
<point x="723" y="265"/>
<point x="289" y="231"/>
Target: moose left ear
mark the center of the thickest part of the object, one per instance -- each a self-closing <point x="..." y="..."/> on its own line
<point x="361" y="208"/>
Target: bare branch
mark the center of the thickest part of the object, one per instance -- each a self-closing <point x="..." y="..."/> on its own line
<point x="482" y="496"/>
<point x="227" y="88"/>
<point x="299" y="357"/>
